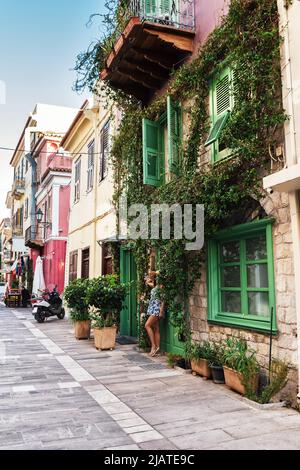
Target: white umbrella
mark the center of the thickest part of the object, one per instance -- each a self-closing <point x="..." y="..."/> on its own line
<point x="38" y="280"/>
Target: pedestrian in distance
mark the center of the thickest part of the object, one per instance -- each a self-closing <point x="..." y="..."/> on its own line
<point x="25" y="296"/>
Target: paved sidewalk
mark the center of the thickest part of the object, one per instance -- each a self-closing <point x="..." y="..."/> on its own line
<point x="59" y="393"/>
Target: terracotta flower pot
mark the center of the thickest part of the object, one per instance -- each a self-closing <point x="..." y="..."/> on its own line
<point x="82" y="329"/>
<point x="105" y="338"/>
<point x="201" y="367"/>
<point x="234" y="380"/>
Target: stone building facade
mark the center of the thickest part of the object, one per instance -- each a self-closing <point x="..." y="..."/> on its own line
<point x="284" y="343"/>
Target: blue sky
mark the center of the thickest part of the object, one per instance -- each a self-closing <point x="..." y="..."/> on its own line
<point x="39" y="41"/>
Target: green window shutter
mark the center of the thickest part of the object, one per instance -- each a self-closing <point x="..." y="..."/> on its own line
<point x="151" y="153"/>
<point x="164" y="7"/>
<point x="221" y="104"/>
<point x="149" y="6"/>
<point x="174" y="134"/>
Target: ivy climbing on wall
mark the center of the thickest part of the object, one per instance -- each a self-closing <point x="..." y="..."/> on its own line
<point x="247" y="39"/>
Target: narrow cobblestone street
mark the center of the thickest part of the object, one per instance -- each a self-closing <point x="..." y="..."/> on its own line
<point x="58" y="393"/>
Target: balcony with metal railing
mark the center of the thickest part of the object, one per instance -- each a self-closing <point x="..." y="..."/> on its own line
<point x="18" y="189"/>
<point x="157" y="38"/>
<point x="176" y="13"/>
<point x="7" y="256"/>
<point x="34" y="237"/>
<point x="18" y="230"/>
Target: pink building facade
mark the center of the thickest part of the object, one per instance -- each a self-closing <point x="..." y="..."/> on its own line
<point x="48" y="237"/>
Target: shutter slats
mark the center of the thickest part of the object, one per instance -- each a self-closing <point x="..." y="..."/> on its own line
<point x="174" y="121"/>
<point x="151" y="153"/>
<point x="165" y="7"/>
<point x="221" y="104"/>
<point x="104" y="151"/>
<point x="91" y="149"/>
<point x="223" y="95"/>
<point x="149" y="6"/>
<point x="73" y="266"/>
<point x="77" y="180"/>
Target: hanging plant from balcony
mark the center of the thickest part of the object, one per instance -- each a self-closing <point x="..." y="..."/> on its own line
<point x="90" y="62"/>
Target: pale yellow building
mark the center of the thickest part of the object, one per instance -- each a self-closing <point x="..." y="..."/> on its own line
<point x="92" y="215"/>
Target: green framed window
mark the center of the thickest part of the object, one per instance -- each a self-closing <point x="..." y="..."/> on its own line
<point x="154" y="144"/>
<point x="241" y="288"/>
<point x="153" y="155"/>
<point x="221" y="105"/>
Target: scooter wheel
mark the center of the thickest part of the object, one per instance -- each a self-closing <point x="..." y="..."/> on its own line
<point x="40" y="318"/>
<point x="61" y="315"/>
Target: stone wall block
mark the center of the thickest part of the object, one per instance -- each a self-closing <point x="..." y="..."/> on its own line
<point x="284" y="199"/>
<point x="283" y="228"/>
<point x="283" y="215"/>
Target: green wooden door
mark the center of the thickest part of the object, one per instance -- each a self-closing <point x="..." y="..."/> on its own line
<point x="169" y="338"/>
<point x="128" y="273"/>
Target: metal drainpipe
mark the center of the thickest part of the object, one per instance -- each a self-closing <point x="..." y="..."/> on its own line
<point x="33" y="166"/>
<point x="28" y="155"/>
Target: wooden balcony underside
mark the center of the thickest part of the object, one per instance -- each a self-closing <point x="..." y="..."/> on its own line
<point x="144" y="57"/>
<point x="34" y="244"/>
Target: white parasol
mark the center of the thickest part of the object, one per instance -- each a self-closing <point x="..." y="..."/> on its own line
<point x="38" y="280"/>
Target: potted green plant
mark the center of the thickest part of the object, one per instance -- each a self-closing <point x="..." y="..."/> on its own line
<point x="75" y="295"/>
<point x="216" y="363"/>
<point x="106" y="295"/>
<point x="200" y="356"/>
<point x="171" y="360"/>
<point x="241" y="368"/>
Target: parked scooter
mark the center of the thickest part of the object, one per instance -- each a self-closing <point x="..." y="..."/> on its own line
<point x="49" y="305"/>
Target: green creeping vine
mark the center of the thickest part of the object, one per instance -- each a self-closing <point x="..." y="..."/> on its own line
<point x="248" y="37"/>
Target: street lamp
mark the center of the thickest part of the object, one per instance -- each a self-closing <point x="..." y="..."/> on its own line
<point x="39" y="216"/>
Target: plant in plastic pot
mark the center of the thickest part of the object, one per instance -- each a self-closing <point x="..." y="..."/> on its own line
<point x="216" y="363"/>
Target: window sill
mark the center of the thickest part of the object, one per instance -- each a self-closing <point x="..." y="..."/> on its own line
<point x="265" y="330"/>
<point x="223" y="160"/>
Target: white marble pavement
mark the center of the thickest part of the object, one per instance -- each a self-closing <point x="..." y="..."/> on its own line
<point x="59" y="393"/>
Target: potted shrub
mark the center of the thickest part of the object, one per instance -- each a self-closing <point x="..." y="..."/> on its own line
<point x="241" y="368"/>
<point x="106" y="295"/>
<point x="216" y="364"/>
<point x="200" y="356"/>
<point x="75" y="296"/>
<point x="105" y="331"/>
